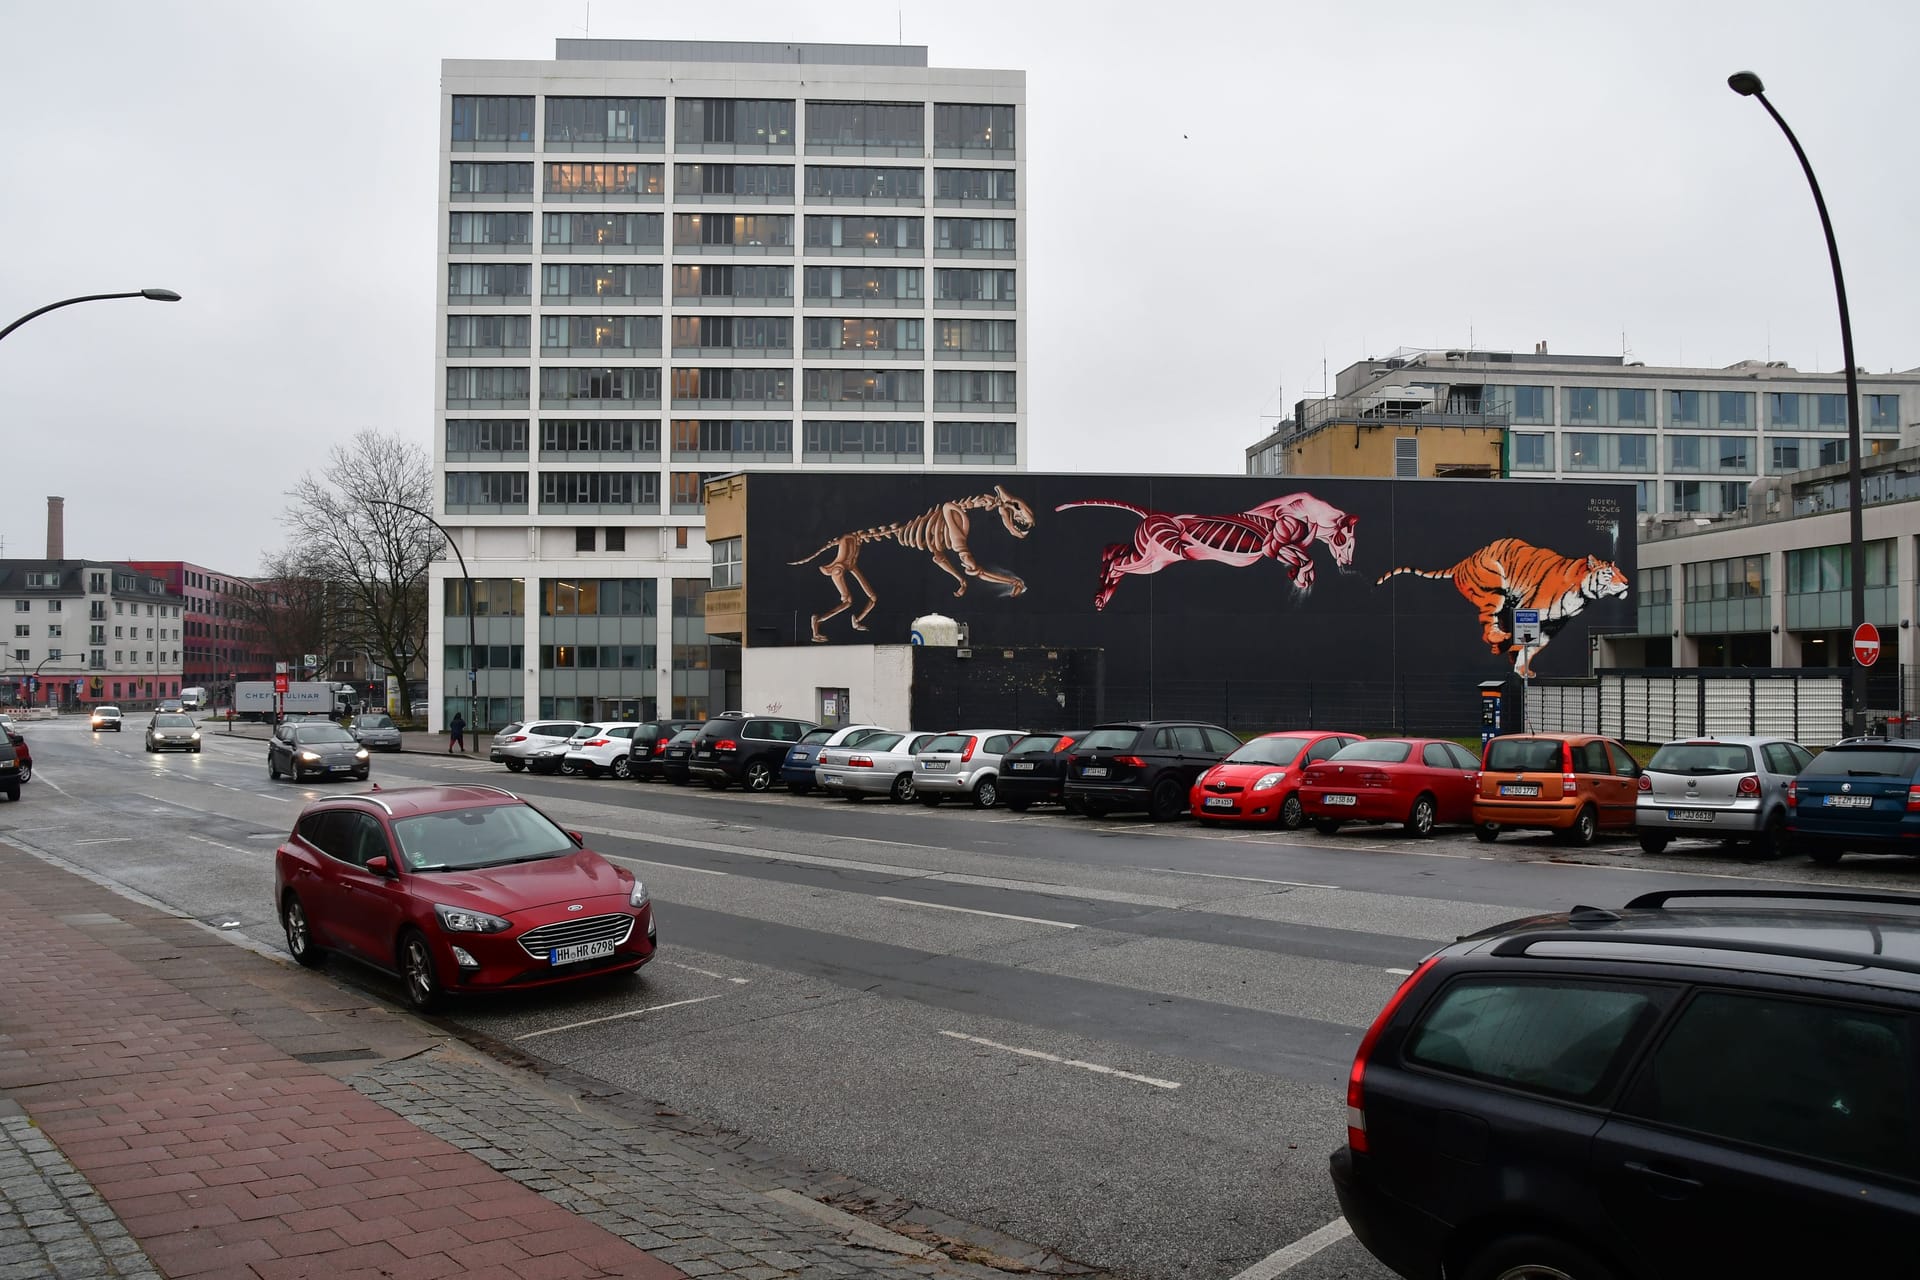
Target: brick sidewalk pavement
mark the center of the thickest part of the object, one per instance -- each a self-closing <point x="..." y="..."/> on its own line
<point x="227" y="1158"/>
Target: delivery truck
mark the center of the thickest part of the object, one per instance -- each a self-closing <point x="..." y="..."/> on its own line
<point x="255" y="699"/>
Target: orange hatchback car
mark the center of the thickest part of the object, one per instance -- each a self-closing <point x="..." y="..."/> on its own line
<point x="1573" y="784"/>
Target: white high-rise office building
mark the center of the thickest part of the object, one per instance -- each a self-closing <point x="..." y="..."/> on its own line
<point x="666" y="260"/>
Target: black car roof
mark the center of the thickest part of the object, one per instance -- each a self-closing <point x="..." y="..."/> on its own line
<point x="1868" y="939"/>
<point x="1153" y="724"/>
<point x="1878" y="744"/>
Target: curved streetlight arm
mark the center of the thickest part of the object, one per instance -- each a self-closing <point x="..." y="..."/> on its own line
<point x="1748" y="85"/>
<point x="157" y="295"/>
<point x="473" y="673"/>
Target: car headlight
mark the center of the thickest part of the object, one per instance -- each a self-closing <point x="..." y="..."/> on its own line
<point x="1273" y="779"/>
<point x="461" y="920"/>
<point x="361" y="754"/>
<point x="309" y="756"/>
<point x="638" y="898"/>
<point x="196" y="735"/>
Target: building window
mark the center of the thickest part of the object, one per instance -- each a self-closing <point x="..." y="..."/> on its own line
<point x="862" y="442"/>
<point x="501" y="436"/>
<point x="994" y="443"/>
<point x="480" y="335"/>
<point x="604" y="124"/>
<point x="1734" y="408"/>
<point x="603" y="230"/>
<point x="1532" y="452"/>
<point x="680" y="537"/>
<point x="826" y="333"/>
<point x="503" y="489"/>
<point x="1883" y="413"/>
<point x="1814" y="569"/>
<point x="26" y="606"/>
<point x="477" y="387"/>
<point x="734" y="282"/>
<point x="1630" y="406"/>
<point x="694" y="334"/>
<point x="733" y="386"/>
<point x="468" y="282"/>
<point x="881" y="126"/>
<point x="735" y="122"/>
<point x="726" y="563"/>
<point x="611" y="438"/>
<point x="22" y="630"/>
<point x="973" y="128"/>
<point x="469" y="232"/>
<point x="35" y="579"/>
<point x="876" y="234"/>
<point x="605" y="181"/>
<point x="1406" y="457"/>
<point x="733" y="230"/>
<point x="962" y="389"/>
<point x="619" y="385"/>
<point x="1583" y="404"/>
<point x="616" y="537"/>
<point x="747" y="440"/>
<point x="875" y="284"/>
<point x="596" y="283"/>
<point x="973" y="285"/>
<point x="753" y="182"/>
<point x="1683" y="408"/>
<point x="973" y="186"/>
<point x="491" y="120"/>
<point x="1831" y="413"/>
<point x="991" y="339"/>
<point x="690" y="491"/>
<point x="583" y="539"/>
<point x="476" y="180"/>
<point x="1654" y="586"/>
<point x="492" y="598"/>
<point x="1643" y="495"/>
<point x="561" y="491"/>
<point x="889" y="387"/>
<point x="881" y="183"/>
<point x="980" y="236"/>
<point x="586" y="335"/>
<point x="1533" y="404"/>
<point x="1737" y="578"/>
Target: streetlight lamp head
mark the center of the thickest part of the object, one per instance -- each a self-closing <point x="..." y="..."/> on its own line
<point x="160" y="295"/>
<point x="1745" y="83"/>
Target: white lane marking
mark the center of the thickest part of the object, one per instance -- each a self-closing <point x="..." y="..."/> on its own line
<point x="898" y="844"/>
<point x="973" y="911"/>
<point x="1209" y="875"/>
<point x="705" y="973"/>
<point x="615" y="1017"/>
<point x="106" y="840"/>
<point x="1405" y="973"/>
<point x="263" y="835"/>
<point x="1282" y="1260"/>
<point x="230" y="848"/>
<point x="1065" y="1062"/>
<point x="648" y="862"/>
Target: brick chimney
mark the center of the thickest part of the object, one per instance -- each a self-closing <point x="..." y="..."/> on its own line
<point x="56" y="528"/>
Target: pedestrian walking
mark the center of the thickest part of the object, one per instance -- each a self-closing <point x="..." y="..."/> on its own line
<point x="457" y="734"/>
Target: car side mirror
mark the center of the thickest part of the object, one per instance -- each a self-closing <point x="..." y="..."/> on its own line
<point x="380" y="866"/>
<point x="578" y="839"/>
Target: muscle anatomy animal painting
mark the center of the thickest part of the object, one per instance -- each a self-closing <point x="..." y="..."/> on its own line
<point x="1511" y="574"/>
<point x="941" y="532"/>
<point x="1284" y="529"/>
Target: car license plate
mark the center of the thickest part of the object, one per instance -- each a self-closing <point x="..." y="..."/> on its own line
<point x="340" y="768"/>
<point x="1218" y="802"/>
<point x="703" y="753"/>
<point x="1690" y="815"/>
<point x="1094" y="771"/>
<point x="1519" y="789"/>
<point x="933" y="764"/>
<point x="1847" y="802"/>
<point x="1021" y="766"/>
<point x="580" y="951"/>
<point x="1342" y="799"/>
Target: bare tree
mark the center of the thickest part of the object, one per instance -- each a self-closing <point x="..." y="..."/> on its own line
<point x="295" y="608"/>
<point x="370" y="557"/>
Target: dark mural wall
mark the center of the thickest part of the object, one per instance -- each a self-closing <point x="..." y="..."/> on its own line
<point x="1249" y="600"/>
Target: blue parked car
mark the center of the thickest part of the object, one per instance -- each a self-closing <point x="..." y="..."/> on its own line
<point x="797" y="769"/>
<point x="1859" y="795"/>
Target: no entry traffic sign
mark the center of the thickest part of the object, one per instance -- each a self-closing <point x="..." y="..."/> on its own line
<point x="1866" y="644"/>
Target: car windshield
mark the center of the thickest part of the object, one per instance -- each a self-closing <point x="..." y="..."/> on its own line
<point x="106" y="711"/>
<point x="311" y="733"/>
<point x="1035" y="744"/>
<point x="1703" y="758"/>
<point x="372" y="722"/>
<point x="515" y="727"/>
<point x="1517" y="755"/>
<point x="955" y="742"/>
<point x="1384" y="752"/>
<point x="684" y="737"/>
<point x="586" y="731"/>
<point x="173" y="721"/>
<point x="1862" y="762"/>
<point x="1110" y="739"/>
<point x="882" y="742"/>
<point x="1267" y="751"/>
<point x="484" y="836"/>
<point x="818" y="738"/>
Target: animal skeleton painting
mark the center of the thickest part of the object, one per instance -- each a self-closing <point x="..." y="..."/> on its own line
<point x="1283" y="529"/>
<point x="940" y="532"/>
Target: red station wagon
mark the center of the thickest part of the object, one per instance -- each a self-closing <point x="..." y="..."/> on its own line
<point x="456" y="890"/>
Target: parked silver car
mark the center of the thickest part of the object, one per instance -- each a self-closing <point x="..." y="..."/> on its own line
<point x="881" y="765"/>
<point x="376" y="731"/>
<point x="513" y="744"/>
<point x="172" y="731"/>
<point x="965" y="762"/>
<point x="1729" y="789"/>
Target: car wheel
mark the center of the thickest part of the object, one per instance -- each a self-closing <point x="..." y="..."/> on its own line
<point x="1093" y="809"/>
<point x="1018" y="806"/>
<point x="1770" y="841"/>
<point x="515" y="766"/>
<point x="1654" y="841"/>
<point x="364" y="774"/>
<point x="1420" y="818"/>
<point x="1536" y="1258"/>
<point x="623" y="770"/>
<point x="300" y="945"/>
<point x="1167" y="801"/>
<point x="1825" y="854"/>
<point x="149" y="748"/>
<point x="13" y="792"/>
<point x="759" y="776"/>
<point x="1326" y="826"/>
<point x="26" y="772"/>
<point x="986" y="793"/>
<point x="1074" y="807"/>
<point x="569" y="768"/>
<point x="853" y="797"/>
<point x="799" y="788"/>
<point x="1486" y="832"/>
<point x="1291" y="815"/>
<point x="932" y="801"/>
<point x="196" y="751"/>
<point x="416" y="972"/>
<point x="1586" y="825"/>
<point x="902" y="789"/>
<point x="273" y="770"/>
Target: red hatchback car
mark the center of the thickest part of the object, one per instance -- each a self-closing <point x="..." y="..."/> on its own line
<point x="1419" y="782"/>
<point x="456" y="890"/>
<point x="1260" y="782"/>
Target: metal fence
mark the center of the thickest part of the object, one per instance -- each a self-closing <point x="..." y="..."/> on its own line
<point x="1808" y="706"/>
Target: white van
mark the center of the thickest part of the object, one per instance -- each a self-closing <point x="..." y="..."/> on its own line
<point x="193" y="699"/>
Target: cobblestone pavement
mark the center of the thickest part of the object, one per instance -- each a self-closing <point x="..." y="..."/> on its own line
<point x="685" y="1199"/>
<point x="53" y="1224"/>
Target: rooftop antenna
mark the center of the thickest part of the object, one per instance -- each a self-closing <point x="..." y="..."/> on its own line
<point x="588" y="29"/>
<point x="899" y="26"/>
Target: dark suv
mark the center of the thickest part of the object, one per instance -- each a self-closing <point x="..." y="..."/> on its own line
<point x="1707" y="1082"/>
<point x="744" y="749"/>
<point x="1143" y="764"/>
<point x="1860" y="794"/>
<point x="650" y="743"/>
<point x="1034" y="770"/>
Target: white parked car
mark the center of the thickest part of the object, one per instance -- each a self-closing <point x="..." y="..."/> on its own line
<point x="965" y="762"/>
<point x="881" y="765"/>
<point x="513" y="744"/>
<point x="607" y="749"/>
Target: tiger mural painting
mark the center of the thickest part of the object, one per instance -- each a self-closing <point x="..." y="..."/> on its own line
<point x="1512" y="574"/>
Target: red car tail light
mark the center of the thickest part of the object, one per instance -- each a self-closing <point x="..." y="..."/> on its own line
<point x="1064" y="744"/>
<point x="596" y="742"/>
<point x="1132" y="762"/>
<point x="1913" y="799"/>
<point x="726" y="744"/>
<point x="1749" y="785"/>
<point x="860" y="762"/>
<point x="518" y="737"/>
<point x="1793" y="791"/>
<point x="968" y="753"/>
<point x="1646" y="783"/>
<point x="1357" y="1077"/>
<point x="661" y="745"/>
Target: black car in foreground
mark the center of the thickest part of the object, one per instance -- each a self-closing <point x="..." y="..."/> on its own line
<point x="744" y="749"/>
<point x="1706" y="1082"/>
<point x="1143" y="764"/>
<point x="650" y="741"/>
<point x="1034" y="769"/>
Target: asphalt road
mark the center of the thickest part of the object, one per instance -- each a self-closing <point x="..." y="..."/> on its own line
<point x="1121" y="1040"/>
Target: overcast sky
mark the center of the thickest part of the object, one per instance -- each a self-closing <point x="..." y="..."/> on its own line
<point x="1220" y="198"/>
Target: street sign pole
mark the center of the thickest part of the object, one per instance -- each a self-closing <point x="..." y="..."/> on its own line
<point x="1526" y="633"/>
